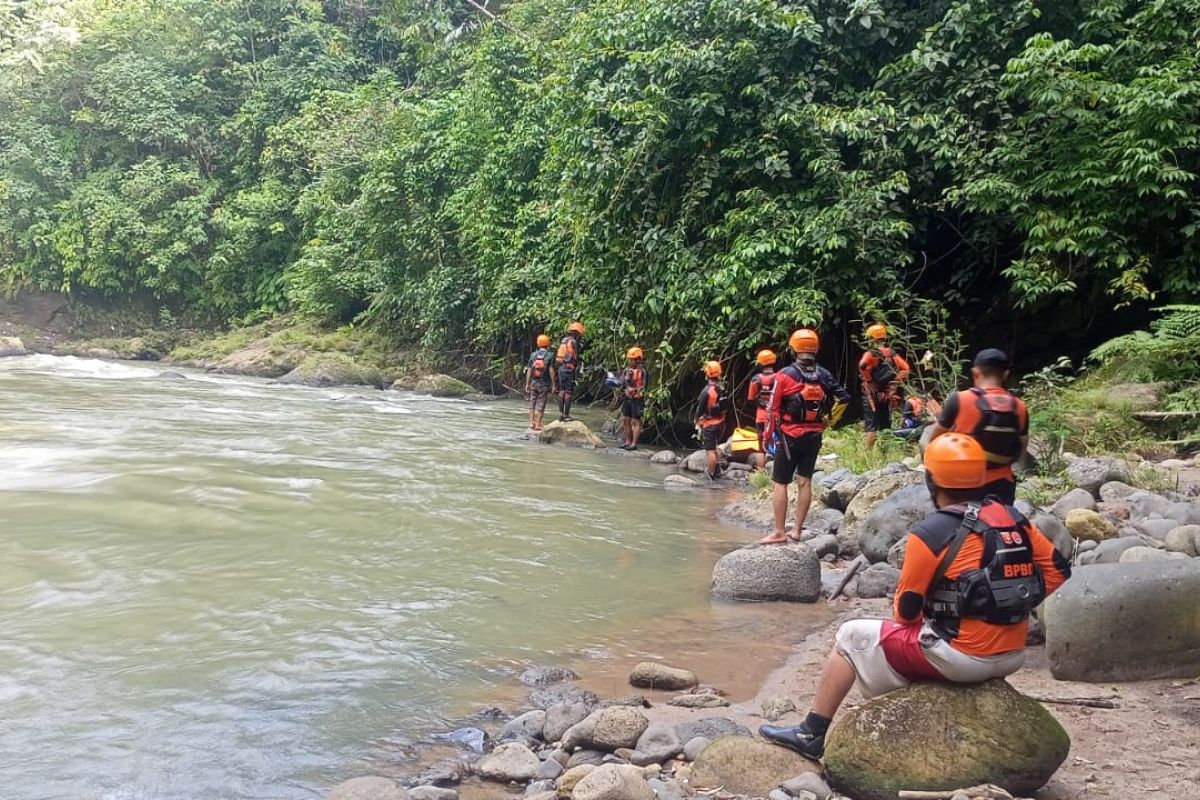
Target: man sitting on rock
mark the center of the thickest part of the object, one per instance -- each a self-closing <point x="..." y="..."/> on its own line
<point x="973" y="570"/>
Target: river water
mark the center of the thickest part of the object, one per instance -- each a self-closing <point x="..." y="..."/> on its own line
<point x="215" y="587"/>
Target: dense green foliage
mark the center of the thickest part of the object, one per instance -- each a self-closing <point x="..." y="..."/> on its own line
<point x="698" y="176"/>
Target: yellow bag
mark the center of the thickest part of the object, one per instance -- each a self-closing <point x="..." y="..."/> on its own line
<point x="744" y="440"/>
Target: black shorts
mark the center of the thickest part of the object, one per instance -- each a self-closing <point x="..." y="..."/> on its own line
<point x="1004" y="490"/>
<point x="710" y="437"/>
<point x="566" y="380"/>
<point x="881" y="418"/>
<point x="538" y="392"/>
<point x="633" y="407"/>
<point x="799" y="457"/>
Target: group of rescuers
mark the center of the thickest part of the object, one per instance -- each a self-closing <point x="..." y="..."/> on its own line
<point x="973" y="570"/>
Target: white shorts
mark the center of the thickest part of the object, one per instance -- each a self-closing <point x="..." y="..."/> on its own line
<point x="887" y="656"/>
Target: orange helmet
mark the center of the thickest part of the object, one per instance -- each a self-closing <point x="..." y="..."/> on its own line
<point x="634" y="353"/>
<point x="543" y="340"/>
<point x="805" y="340"/>
<point x="956" y="461"/>
<point x="712" y="369"/>
<point x="877" y="331"/>
<point x="765" y="358"/>
<point x="575" y="327"/>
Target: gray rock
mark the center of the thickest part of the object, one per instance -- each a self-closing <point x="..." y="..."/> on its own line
<point x="668" y="789"/>
<point x="1025" y="507"/>
<point x="527" y="726"/>
<point x="832" y="578"/>
<point x="618" y="726"/>
<point x="371" y="787"/>
<point x="808" y="782"/>
<point x="1054" y="530"/>
<point x="591" y="758"/>
<point x="1126" y="622"/>
<point x="653" y="675"/>
<point x="1135" y="555"/>
<point x="709" y="728"/>
<point x="845" y="490"/>
<point x="823" y="545"/>
<point x="694" y="746"/>
<point x="633" y="700"/>
<point x="746" y="766"/>
<point x="1087" y="545"/>
<point x="773" y="708"/>
<point x="791" y="572"/>
<point x="11" y="346"/>
<point x="539" y="787"/>
<point x="1156" y="528"/>
<point x="825" y="488"/>
<point x="896" y="552"/>
<point x="1109" y="552"/>
<point x="1116" y="491"/>
<point x="1092" y="473"/>
<point x="778" y="794"/>
<point x="431" y="793"/>
<point x="509" y="762"/>
<point x="702" y="700"/>
<point x="474" y="739"/>
<point x="679" y="483"/>
<point x="613" y="782"/>
<point x="658" y="743"/>
<point x="663" y="457"/>
<point x="877" y="580"/>
<point x="561" y="716"/>
<point x="695" y="462"/>
<point x="1184" y="539"/>
<point x="863" y="516"/>
<point x="544" y="676"/>
<point x="1076" y="498"/>
<point x="890" y="520"/>
<point x="1146" y="505"/>
<point x="549" y="770"/>
<point x="571" y="434"/>
<point x="580" y="734"/>
<point x="561" y="693"/>
<point x="1184" y="513"/>
<point x="569" y="779"/>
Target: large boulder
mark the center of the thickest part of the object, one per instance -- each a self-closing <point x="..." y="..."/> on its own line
<point x="697" y="461"/>
<point x="1137" y="555"/>
<point x="872" y="494"/>
<point x="838" y="488"/>
<point x="442" y="386"/>
<point x="332" y="369"/>
<point x="1084" y="524"/>
<point x="1076" y="498"/>
<point x="371" y="787"/>
<point x="512" y="762"/>
<point x="779" y="572"/>
<point x="613" y="782"/>
<point x="11" y="346"/>
<point x="746" y="766"/>
<point x="618" y="726"/>
<point x="1126" y="622"/>
<point x="890" y="520"/>
<point x="571" y="434"/>
<point x="1092" y="473"/>
<point x="971" y="735"/>
<point x="260" y="359"/>
<point x="653" y="675"/>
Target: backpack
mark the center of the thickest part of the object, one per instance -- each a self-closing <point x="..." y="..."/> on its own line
<point x="999" y="428"/>
<point x="718" y="402"/>
<point x="884" y="373"/>
<point x="766" y="385"/>
<point x="539" y="368"/>
<point x="805" y="405"/>
<point x="568" y="353"/>
<point x="1005" y="587"/>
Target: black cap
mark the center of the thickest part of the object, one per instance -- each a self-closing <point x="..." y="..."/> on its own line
<point x="991" y="357"/>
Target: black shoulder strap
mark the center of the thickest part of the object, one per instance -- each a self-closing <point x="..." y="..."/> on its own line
<point x="969" y="524"/>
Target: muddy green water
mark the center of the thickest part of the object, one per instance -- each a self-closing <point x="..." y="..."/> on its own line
<point x="222" y="588"/>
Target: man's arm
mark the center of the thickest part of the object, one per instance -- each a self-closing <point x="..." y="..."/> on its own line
<point x="903" y="369"/>
<point x="945" y="422"/>
<point x="920" y="565"/>
<point x="1054" y="567"/>
<point x="779" y="387"/>
<point x="528" y="377"/>
<point x="834" y="387"/>
<point x="701" y="405"/>
<point x="752" y="392"/>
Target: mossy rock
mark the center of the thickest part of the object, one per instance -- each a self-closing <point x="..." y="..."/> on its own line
<point x="940" y="737"/>
<point x="332" y="369"/>
<point x="443" y="386"/>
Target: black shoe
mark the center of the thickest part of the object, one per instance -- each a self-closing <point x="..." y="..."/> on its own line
<point x="798" y="738"/>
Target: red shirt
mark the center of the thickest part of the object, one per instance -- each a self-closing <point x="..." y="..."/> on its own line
<point x="760" y="393"/>
<point x="785" y="385"/>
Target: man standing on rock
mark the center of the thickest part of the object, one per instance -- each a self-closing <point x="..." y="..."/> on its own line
<point x="882" y="370"/>
<point x="796" y="420"/>
<point x="709" y="416"/>
<point x="994" y="417"/>
<point x="973" y="570"/>
<point x="759" y="393"/>
<point x="569" y="361"/>
<point x="540" y="381"/>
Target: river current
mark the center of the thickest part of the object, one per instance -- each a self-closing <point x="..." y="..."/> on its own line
<point x="217" y="587"/>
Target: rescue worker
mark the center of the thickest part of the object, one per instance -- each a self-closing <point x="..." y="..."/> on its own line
<point x="633" y="405"/>
<point x="882" y="370"/>
<point x="569" y="362"/>
<point x="759" y="393"/>
<point x="796" y="417"/>
<point x="973" y="570"/>
<point x="540" y="381"/>
<point x="711" y="408"/>
<point x="994" y="417"/>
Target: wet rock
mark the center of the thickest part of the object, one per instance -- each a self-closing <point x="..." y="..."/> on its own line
<point x="618" y="726"/>
<point x="866" y="502"/>
<point x="561" y="716"/>
<point x="593" y="758"/>
<point x="1084" y="524"/>
<point x="983" y="733"/>
<point x="332" y="369"/>
<point x="653" y="675"/>
<point x="1076" y="498"/>
<point x="663" y="457"/>
<point x="509" y="762"/>
<point x="431" y="793"/>
<point x="613" y="782"/>
<point x="1126" y="622"/>
<point x="371" y="787"/>
<point x="1136" y="555"/>
<point x="679" y="483"/>
<point x="773" y="708"/>
<point x="567" y="782"/>
<point x="810" y="782"/>
<point x="571" y="434"/>
<point x="172" y="375"/>
<point x="549" y="770"/>
<point x="877" y="580"/>
<point x="658" y="743"/>
<point x="474" y="739"/>
<point x="1184" y="539"/>
<point x="1156" y="528"/>
<point x="693" y="747"/>
<point x="709" y="728"/>
<point x="890" y="520"/>
<point x="1092" y="473"/>
<point x="703" y="700"/>
<point x="768" y="573"/>
<point x="441" y="386"/>
<point x="526" y="726"/>
<point x="747" y="766"/>
<point x="545" y="676"/>
<point x="561" y="693"/>
<point x="11" y="346"/>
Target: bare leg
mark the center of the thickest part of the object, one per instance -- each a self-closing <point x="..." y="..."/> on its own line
<point x="636" y="425"/>
<point x="627" y="423"/>
<point x="779" y="504"/>
<point x="870" y="440"/>
<point x="837" y="679"/>
<point x="803" y="502"/>
<point x="712" y="461"/>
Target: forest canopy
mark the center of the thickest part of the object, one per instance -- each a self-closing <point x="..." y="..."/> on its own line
<point x="697" y="176"/>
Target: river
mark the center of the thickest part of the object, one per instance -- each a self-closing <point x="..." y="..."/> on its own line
<point x="218" y="587"/>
